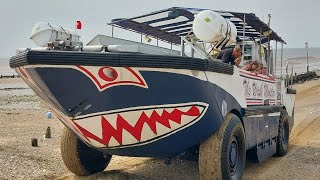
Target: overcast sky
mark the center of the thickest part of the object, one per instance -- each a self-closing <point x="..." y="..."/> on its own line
<point x="296" y="21"/>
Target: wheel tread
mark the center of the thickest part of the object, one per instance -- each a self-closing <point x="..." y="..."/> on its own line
<point x="79" y="158"/>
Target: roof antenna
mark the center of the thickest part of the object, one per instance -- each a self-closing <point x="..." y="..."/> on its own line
<point x="270" y="64"/>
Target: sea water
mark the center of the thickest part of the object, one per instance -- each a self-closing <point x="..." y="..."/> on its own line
<point x="5" y="69"/>
<point x="296" y="58"/>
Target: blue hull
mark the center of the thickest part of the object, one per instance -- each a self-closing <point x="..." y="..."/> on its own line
<point x="70" y="91"/>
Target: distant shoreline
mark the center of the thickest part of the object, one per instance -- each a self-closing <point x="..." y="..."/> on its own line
<point x="5" y="69"/>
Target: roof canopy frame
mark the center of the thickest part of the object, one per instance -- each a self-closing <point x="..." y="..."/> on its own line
<point x="163" y="25"/>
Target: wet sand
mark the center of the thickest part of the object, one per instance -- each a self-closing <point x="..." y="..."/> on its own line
<point x="22" y="117"/>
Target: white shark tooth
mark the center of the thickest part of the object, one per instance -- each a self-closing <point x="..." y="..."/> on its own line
<point x="112" y="119"/>
<point x="148" y="112"/>
<point x="169" y="110"/>
<point x="128" y="138"/>
<point x="131" y="117"/>
<point x="96" y="143"/>
<point x="174" y="125"/>
<point x="161" y="129"/>
<point x="184" y="109"/>
<point x="159" y="111"/>
<point x="113" y="142"/>
<point x="200" y="109"/>
<point x="93" y="125"/>
<point x="186" y="119"/>
<point x="147" y="133"/>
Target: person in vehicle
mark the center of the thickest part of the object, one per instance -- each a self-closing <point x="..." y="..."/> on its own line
<point x="247" y="66"/>
<point x="265" y="72"/>
<point x="231" y="56"/>
<point x="260" y="68"/>
<point x="254" y="67"/>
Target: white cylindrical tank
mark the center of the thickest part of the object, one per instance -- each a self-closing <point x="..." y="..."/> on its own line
<point x="210" y="27"/>
<point x="233" y="33"/>
<point x="42" y="33"/>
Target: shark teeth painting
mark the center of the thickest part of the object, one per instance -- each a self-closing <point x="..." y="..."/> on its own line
<point x="139" y="125"/>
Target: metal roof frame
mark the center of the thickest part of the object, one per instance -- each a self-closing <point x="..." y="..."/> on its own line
<point x="170" y="24"/>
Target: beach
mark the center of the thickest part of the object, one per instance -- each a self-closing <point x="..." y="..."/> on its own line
<point x="23" y="116"/>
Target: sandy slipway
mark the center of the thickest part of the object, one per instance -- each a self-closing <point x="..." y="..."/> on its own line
<point x="22" y="117"/>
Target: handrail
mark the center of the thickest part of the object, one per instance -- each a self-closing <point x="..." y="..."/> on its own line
<point x="289" y="78"/>
<point x="194" y="46"/>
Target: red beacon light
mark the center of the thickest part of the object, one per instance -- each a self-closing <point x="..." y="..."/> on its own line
<point x="79" y="25"/>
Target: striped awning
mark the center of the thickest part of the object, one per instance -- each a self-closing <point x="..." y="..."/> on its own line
<point x="170" y="24"/>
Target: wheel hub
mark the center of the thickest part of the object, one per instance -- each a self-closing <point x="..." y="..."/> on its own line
<point x="233" y="156"/>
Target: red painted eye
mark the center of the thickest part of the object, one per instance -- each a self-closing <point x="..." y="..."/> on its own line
<point x="108" y="74"/>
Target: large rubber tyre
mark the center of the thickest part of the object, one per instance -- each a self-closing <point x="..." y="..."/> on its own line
<point x="80" y="158"/>
<point x="223" y="155"/>
<point x="283" y="134"/>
